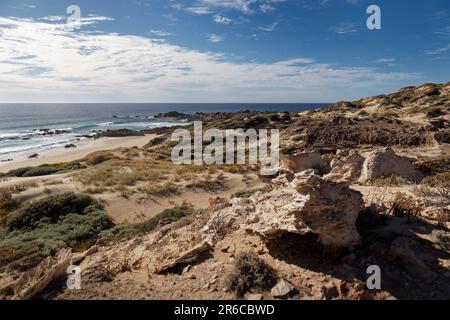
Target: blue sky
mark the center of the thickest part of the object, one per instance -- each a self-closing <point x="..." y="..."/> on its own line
<point x="219" y="50"/>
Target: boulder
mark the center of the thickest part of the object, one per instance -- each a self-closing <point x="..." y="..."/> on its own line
<point x="385" y="162"/>
<point x="347" y="168"/>
<point x="306" y="204"/>
<point x="304" y="161"/>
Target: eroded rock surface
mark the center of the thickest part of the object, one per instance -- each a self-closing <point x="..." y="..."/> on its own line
<point x="306" y="204"/>
<point x="385" y="162"/>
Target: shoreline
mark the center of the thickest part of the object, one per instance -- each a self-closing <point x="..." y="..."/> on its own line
<point x="84" y="148"/>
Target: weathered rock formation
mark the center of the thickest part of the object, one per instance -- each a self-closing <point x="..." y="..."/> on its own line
<point x="306" y="204"/>
<point x="346" y="168"/>
<point x="36" y="280"/>
<point x="384" y="162"/>
<point x="304" y="161"/>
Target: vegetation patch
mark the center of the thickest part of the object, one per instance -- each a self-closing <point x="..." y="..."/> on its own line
<point x="45" y="169"/>
<point x="41" y="228"/>
<point x="250" y="273"/>
<point x="441" y="182"/>
<point x="165" y="217"/>
<point x="245" y="193"/>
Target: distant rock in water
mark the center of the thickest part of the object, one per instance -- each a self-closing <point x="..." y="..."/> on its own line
<point x="119" y="133"/>
<point x="175" y="115"/>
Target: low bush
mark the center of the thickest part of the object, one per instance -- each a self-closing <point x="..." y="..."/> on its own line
<point x="404" y="206"/>
<point x="173" y="214"/>
<point x="44" y="170"/>
<point x="51" y="209"/>
<point x="245" y="193"/>
<point x="441" y="182"/>
<point x="7" y="202"/>
<point x="41" y="228"/>
<point x="250" y="273"/>
<point x="130" y="230"/>
<point x="430" y="166"/>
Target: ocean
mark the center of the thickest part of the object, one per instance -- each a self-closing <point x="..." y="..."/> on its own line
<point x="32" y="128"/>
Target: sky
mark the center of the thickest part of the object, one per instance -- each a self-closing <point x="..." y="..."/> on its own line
<point x="299" y="51"/>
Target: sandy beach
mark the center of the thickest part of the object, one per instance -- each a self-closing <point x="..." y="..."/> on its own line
<point x="85" y="147"/>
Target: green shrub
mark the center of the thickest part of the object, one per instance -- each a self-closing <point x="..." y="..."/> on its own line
<point x="245" y="193"/>
<point x="39" y="229"/>
<point x="7" y="202"/>
<point x="51" y="209"/>
<point x="172" y="214"/>
<point x="130" y="230"/>
<point x="44" y="170"/>
<point x="119" y="232"/>
<point x="250" y="272"/>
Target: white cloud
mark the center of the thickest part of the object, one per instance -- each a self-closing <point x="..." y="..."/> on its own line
<point x="385" y="60"/>
<point x="160" y="33"/>
<point x="439" y="51"/>
<point x="266" y="8"/>
<point x="269" y="28"/>
<point x="43" y="61"/>
<point x="199" y="10"/>
<point x="222" y="19"/>
<point x="241" y="5"/>
<point x="214" y="38"/>
<point x="345" y="28"/>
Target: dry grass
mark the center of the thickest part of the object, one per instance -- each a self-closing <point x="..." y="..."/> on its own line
<point x="7" y="202"/>
<point x="390" y="181"/>
<point x="440" y="182"/>
<point x="250" y="273"/>
<point x="404" y="206"/>
<point x="209" y="183"/>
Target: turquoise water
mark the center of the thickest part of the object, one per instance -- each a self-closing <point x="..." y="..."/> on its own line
<point x="27" y="128"/>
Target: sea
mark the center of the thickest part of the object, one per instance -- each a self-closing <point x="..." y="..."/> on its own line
<point x="26" y="129"/>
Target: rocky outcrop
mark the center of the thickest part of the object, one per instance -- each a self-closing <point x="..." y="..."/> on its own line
<point x="186" y="257"/>
<point x="306" y="204"/>
<point x="346" y="168"/>
<point x="36" y="280"/>
<point x="304" y="161"/>
<point x="385" y="162"/>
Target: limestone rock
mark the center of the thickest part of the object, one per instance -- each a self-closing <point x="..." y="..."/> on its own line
<point x="282" y="289"/>
<point x="185" y="257"/>
<point x="254" y="296"/>
<point x="346" y="169"/>
<point x="385" y="162"/>
<point x="304" y="161"/>
<point x="36" y="280"/>
<point x="306" y="204"/>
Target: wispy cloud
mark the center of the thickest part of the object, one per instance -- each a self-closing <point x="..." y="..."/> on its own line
<point x="345" y="28"/>
<point x="439" y="51"/>
<point x="385" y="60"/>
<point x="43" y="61"/>
<point x="214" y="38"/>
<point x="269" y="28"/>
<point x="222" y="19"/>
<point x="160" y="33"/>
